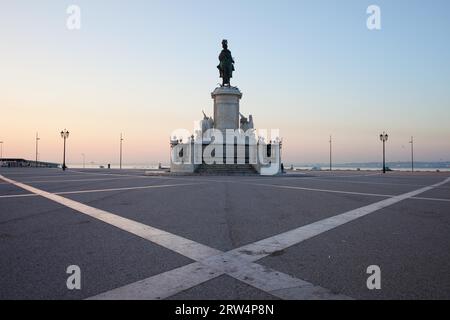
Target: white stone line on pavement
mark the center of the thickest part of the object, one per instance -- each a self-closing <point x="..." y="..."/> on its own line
<point x="163" y="186"/>
<point x="29" y="176"/>
<point x="188" y="248"/>
<point x="263" y="248"/>
<point x="127" y="188"/>
<point x="138" y="176"/>
<point x="376" y="183"/>
<point x="18" y="195"/>
<point x="266" y="279"/>
<point x="102" y="190"/>
<point x="10" y="172"/>
<point x="335" y="179"/>
<point x="41" y="177"/>
<point x="333" y="191"/>
<point x="330" y="176"/>
<point x="352" y="182"/>
<point x="321" y="190"/>
<point x="249" y="179"/>
<point x="162" y="285"/>
<point x="59" y="178"/>
<point x="111" y="174"/>
<point x="180" y="177"/>
<point x="72" y="180"/>
<point x="261" y="180"/>
<point x="430" y="199"/>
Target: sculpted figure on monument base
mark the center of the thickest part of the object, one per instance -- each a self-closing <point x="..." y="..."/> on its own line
<point x="246" y="124"/>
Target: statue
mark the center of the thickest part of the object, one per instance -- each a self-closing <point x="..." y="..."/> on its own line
<point x="246" y="124"/>
<point x="243" y="121"/>
<point x="250" y="122"/>
<point x="226" y="66"/>
<point x="206" y="124"/>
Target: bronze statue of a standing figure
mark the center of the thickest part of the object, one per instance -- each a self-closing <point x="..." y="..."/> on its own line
<point x="226" y="66"/>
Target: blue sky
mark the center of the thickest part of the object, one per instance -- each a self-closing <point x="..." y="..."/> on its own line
<point x="309" y="68"/>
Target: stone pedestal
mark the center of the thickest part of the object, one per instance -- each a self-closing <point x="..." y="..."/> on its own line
<point x="226" y="108"/>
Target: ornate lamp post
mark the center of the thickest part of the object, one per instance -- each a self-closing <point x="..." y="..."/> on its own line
<point x="64" y="135"/>
<point x="121" y="140"/>
<point x="1" y="153"/>
<point x="37" y="146"/>
<point x="331" y="141"/>
<point x="412" y="153"/>
<point x="384" y="138"/>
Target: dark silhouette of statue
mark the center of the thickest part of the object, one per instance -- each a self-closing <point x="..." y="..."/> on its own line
<point x="226" y="66"/>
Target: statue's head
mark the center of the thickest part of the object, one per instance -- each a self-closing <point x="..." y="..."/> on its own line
<point x="225" y="44"/>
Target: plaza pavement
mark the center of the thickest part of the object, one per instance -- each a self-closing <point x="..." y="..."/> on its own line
<point x="305" y="236"/>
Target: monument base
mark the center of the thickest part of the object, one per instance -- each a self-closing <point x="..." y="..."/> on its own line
<point x="222" y="146"/>
<point x="223" y="158"/>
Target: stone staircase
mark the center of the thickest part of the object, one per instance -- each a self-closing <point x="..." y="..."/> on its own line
<point x="226" y="169"/>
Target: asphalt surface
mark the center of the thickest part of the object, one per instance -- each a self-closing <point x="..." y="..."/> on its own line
<point x="40" y="237"/>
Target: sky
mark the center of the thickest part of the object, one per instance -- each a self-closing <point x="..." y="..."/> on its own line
<point x="146" y="68"/>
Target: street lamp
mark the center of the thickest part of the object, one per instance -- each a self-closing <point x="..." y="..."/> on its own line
<point x="121" y="139"/>
<point x="84" y="160"/>
<point x="1" y="153"/>
<point x="384" y="138"/>
<point x="412" y="154"/>
<point x="64" y="135"/>
<point x="331" y="141"/>
<point x="37" y="139"/>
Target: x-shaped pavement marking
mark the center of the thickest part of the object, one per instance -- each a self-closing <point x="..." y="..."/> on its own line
<point x="210" y="263"/>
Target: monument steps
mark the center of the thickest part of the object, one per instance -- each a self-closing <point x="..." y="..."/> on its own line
<point x="226" y="169"/>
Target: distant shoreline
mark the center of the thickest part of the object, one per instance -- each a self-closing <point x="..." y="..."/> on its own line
<point x="309" y="168"/>
<point x="287" y="167"/>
